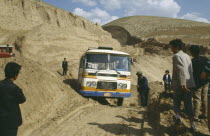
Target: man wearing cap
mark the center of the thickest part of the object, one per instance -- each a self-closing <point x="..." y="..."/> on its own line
<point x="142" y="87"/>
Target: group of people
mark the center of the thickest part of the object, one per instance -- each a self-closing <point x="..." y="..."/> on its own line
<point x="189" y="83"/>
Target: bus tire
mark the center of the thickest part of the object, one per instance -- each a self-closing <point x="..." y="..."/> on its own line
<point x="120" y="101"/>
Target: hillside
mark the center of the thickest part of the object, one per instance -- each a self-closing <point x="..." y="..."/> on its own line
<point x="162" y="29"/>
<point x="42" y="36"/>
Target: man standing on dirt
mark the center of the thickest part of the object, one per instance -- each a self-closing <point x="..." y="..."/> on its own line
<point x="65" y="67"/>
<point x="10" y="98"/>
<point x="182" y="82"/>
<point x="142" y="88"/>
<point x="7" y="49"/>
<point x="206" y="75"/>
<point x="200" y="94"/>
<point x="167" y="81"/>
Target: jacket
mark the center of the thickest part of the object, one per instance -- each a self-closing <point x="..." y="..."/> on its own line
<point x="182" y="71"/>
<point x="169" y="78"/>
<point x="10" y="98"/>
<point x="143" y="84"/>
<point x="64" y="64"/>
<point x="199" y="64"/>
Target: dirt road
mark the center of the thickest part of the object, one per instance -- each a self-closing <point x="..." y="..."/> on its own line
<point x="100" y="120"/>
<point x="97" y="118"/>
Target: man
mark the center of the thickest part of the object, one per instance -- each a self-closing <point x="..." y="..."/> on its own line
<point x="182" y="82"/>
<point x="200" y="93"/>
<point x="142" y="88"/>
<point x="167" y="81"/>
<point x="7" y="49"/>
<point x="206" y="75"/>
<point x="65" y="66"/>
<point x="10" y="98"/>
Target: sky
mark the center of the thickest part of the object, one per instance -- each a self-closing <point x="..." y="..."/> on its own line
<point x="104" y="11"/>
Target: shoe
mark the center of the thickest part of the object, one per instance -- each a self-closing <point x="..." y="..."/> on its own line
<point x="202" y="117"/>
<point x="193" y="130"/>
<point x="178" y="122"/>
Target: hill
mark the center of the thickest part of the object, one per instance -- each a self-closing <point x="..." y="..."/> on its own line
<point x="42" y="36"/>
<point x="129" y="30"/>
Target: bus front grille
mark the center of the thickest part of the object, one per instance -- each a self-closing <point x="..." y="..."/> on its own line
<point x="106" y="85"/>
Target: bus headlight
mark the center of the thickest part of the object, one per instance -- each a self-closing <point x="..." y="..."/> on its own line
<point x="122" y="86"/>
<point x="88" y="84"/>
<point x="91" y="84"/>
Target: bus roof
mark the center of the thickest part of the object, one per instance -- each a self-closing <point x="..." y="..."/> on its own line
<point x="102" y="51"/>
<point x="5" y="46"/>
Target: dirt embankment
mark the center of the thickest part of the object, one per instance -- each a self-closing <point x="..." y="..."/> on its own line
<point x="43" y="35"/>
<point x="160" y="115"/>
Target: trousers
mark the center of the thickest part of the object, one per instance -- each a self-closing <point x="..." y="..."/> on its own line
<point x="182" y="95"/>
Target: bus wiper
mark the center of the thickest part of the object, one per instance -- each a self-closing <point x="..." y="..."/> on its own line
<point x="98" y="71"/>
<point x="118" y="73"/>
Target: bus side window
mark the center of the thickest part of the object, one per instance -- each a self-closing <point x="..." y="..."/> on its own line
<point x="4" y="49"/>
<point x="82" y="62"/>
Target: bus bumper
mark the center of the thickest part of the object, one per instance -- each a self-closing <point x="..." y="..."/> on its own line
<point x="104" y="94"/>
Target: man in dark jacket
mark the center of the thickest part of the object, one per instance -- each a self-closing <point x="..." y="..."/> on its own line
<point x="206" y="75"/>
<point x="10" y="98"/>
<point x="142" y="88"/>
<point x="200" y="93"/>
<point x="65" y="66"/>
<point x="167" y="81"/>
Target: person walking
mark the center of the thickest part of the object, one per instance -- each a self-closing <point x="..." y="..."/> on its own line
<point x="206" y="75"/>
<point x="167" y="81"/>
<point x="142" y="88"/>
<point x="182" y="82"/>
<point x="10" y="98"/>
<point x="65" y="67"/>
<point x="200" y="93"/>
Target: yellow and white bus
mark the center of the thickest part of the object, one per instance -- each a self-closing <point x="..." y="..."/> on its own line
<point x="104" y="72"/>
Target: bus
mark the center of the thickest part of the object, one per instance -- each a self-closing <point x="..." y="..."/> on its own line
<point x="104" y="72"/>
<point x="6" y="51"/>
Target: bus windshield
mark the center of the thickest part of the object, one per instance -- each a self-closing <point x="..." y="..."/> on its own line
<point x="107" y="61"/>
<point x="119" y="63"/>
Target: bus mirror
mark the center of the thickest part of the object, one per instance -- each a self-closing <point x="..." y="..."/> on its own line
<point x="131" y="60"/>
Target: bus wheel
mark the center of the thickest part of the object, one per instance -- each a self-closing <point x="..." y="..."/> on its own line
<point x="78" y="87"/>
<point x="120" y="101"/>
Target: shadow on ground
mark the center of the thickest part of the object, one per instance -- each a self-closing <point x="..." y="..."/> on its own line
<point x="117" y="129"/>
<point x="59" y="73"/>
<point x="132" y="119"/>
<point x="123" y="129"/>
